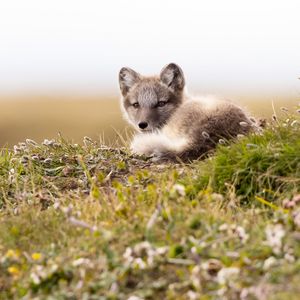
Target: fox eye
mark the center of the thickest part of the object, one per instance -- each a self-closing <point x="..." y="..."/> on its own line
<point x="161" y="103"/>
<point x="136" y="105"/>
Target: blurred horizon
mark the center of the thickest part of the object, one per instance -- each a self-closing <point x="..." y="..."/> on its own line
<point x="97" y="117"/>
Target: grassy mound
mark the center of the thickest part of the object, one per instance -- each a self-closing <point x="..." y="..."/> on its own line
<point x="266" y="164"/>
<point x="93" y="222"/>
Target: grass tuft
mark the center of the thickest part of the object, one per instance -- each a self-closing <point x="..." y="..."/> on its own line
<point x="266" y="164"/>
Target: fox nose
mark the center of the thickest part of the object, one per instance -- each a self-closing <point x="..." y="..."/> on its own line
<point x="143" y="125"/>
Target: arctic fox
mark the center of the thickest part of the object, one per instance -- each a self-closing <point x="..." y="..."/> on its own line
<point x="170" y="123"/>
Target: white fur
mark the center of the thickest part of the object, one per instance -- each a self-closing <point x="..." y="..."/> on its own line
<point x="157" y="144"/>
<point x="208" y="101"/>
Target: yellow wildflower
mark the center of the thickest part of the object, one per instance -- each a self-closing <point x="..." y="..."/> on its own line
<point x="13" y="270"/>
<point x="12" y="254"/>
<point x="36" y="256"/>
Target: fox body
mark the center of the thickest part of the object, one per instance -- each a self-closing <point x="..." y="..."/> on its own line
<point x="170" y="123"/>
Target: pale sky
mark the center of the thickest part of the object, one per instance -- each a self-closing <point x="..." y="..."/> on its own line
<point x="230" y="46"/>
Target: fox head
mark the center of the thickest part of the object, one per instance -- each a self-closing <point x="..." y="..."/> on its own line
<point x="148" y="102"/>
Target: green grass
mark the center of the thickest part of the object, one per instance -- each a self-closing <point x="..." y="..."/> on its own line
<point x="257" y="165"/>
<point x="94" y="222"/>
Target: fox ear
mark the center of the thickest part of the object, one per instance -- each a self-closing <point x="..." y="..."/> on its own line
<point x="172" y="76"/>
<point x="127" y="78"/>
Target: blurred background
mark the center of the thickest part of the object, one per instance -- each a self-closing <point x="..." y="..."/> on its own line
<point x="59" y="59"/>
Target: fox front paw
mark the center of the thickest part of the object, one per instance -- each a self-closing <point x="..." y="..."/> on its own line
<point x="142" y="146"/>
<point x="154" y="154"/>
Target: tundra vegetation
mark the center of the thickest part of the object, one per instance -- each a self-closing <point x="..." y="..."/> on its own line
<point x="94" y="222"/>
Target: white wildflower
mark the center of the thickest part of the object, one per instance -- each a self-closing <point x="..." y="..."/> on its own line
<point x="296" y="198"/>
<point x="22" y="145"/>
<point x="139" y="264"/>
<point x="232" y="254"/>
<point x="128" y="253"/>
<point x="205" y="134"/>
<point x="79" y="285"/>
<point x="289" y="257"/>
<point x="203" y="244"/>
<point x="31" y="142"/>
<point x="296" y="218"/>
<point x="228" y="274"/>
<point x="244" y="124"/>
<point x="135" y="298"/>
<point x="35" y="278"/>
<point x="47" y="142"/>
<point x="87" y="141"/>
<point x="80" y="261"/>
<point x="67" y="210"/>
<point x="143" y="255"/>
<point x="40" y="271"/>
<point x="274" y="235"/>
<point x="142" y="247"/>
<point x="48" y="160"/>
<point x="192" y="295"/>
<point x="151" y="255"/>
<point x="53" y="268"/>
<point x="249" y="145"/>
<point x="221" y="292"/>
<point x="162" y="250"/>
<point x="286" y="203"/>
<point x="247" y="260"/>
<point x="24" y="159"/>
<point x="269" y="263"/>
<point x="35" y="158"/>
<point x="17" y="150"/>
<point x="11" y="176"/>
<point x="233" y="229"/>
<point x="56" y="205"/>
<point x="217" y="197"/>
<point x="242" y="234"/>
<point x="223" y="227"/>
<point x="114" y="288"/>
<point x="260" y="291"/>
<point x="179" y="189"/>
<point x="80" y="182"/>
<point x="295" y="122"/>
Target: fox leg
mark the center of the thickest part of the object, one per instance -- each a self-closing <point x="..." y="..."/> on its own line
<point x="158" y="145"/>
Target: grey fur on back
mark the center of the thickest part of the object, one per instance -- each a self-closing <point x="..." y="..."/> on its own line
<point x="172" y="124"/>
<point x="205" y="127"/>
